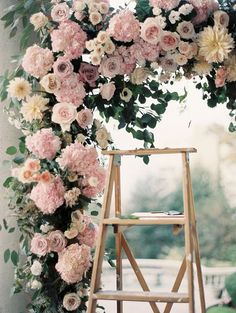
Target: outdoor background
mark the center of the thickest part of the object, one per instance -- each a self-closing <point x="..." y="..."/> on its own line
<point x="158" y="185"/>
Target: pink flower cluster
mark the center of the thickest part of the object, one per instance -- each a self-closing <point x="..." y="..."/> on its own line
<point x="70" y="39"/>
<point x="94" y="182"/>
<point x="73" y="262"/>
<point x="48" y="196"/>
<point x="204" y="9"/>
<point x="71" y="90"/>
<point x="37" y="61"/>
<point x="221" y="76"/>
<point x="142" y="50"/>
<point x="44" y="144"/>
<point x="165" y="4"/>
<point x="124" y="26"/>
<point x="55" y="241"/>
<point x="88" y="235"/>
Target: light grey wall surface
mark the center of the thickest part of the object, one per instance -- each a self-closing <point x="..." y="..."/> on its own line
<point x="8" y="137"/>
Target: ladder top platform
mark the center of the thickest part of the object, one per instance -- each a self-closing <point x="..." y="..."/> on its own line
<point x="149" y="151"/>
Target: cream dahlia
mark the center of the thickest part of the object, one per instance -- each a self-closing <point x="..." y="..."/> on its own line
<point x="202" y="67"/>
<point x="19" y="88"/>
<point x="33" y="108"/>
<point x="215" y="44"/>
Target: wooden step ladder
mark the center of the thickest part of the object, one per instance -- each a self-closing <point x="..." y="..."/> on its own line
<point x="187" y="220"/>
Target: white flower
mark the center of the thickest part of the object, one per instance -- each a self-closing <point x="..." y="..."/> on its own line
<point x="202" y="67"/>
<point x="95" y="18"/>
<point x="51" y="83"/>
<point x="90" y="45"/>
<point x="36" y="268"/>
<point x="102" y="37"/>
<point x="186" y="30"/>
<point x="36" y="285"/>
<point x="95" y="58"/>
<point x="71" y="196"/>
<point x="64" y="114"/>
<point x="78" y="5"/>
<point x="71" y="233"/>
<point x="102" y="137"/>
<point x="34" y="107"/>
<point x="139" y="75"/>
<point x="126" y="94"/>
<point x="71" y="301"/>
<point x="186" y="9"/>
<point x="109" y="46"/>
<point x="156" y="11"/>
<point x="103" y="7"/>
<point x="38" y="20"/>
<point x="174" y="17"/>
<point x="19" y="88"/>
<point x="81" y="138"/>
<point x="181" y="59"/>
<point x="161" y="20"/>
<point x="93" y="181"/>
<point x="45" y="228"/>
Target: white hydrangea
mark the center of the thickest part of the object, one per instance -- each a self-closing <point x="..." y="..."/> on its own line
<point x="186" y="9"/>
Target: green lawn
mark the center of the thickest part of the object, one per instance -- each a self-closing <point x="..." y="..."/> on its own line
<point x="221" y="310"/>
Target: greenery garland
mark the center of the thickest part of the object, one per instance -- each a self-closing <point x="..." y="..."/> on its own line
<point x="92" y="58"/>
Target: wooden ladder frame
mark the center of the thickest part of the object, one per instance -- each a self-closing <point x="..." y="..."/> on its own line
<point x="188" y="221"/>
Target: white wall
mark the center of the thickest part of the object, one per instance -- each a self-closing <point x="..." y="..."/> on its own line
<point x="8" y="137"/>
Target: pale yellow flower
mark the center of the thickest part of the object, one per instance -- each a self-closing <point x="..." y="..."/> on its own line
<point x="102" y="137"/>
<point x="202" y="67"/>
<point x="215" y="44"/>
<point x="19" y="88"/>
<point x="34" y="107"/>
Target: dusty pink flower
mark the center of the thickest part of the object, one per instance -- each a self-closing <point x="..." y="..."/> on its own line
<point x="123" y="26"/>
<point x="204" y="9"/>
<point x="94" y="182"/>
<point x="221" y="76"/>
<point x="44" y="144"/>
<point x="39" y="245"/>
<point x="110" y="67"/>
<point x="57" y="241"/>
<point x="164" y="4"/>
<point x="48" y="197"/>
<point x="64" y="114"/>
<point x="107" y="91"/>
<point x="37" y="61"/>
<point x="151" y="31"/>
<point x="89" y="234"/>
<point x="73" y="262"/>
<point x="84" y="118"/>
<point x="168" y="64"/>
<point x="63" y="67"/>
<point x="77" y="158"/>
<point x="71" y="90"/>
<point x="69" y="38"/>
<point x="186" y="30"/>
<point x="169" y="41"/>
<point x="142" y="51"/>
<point x="88" y="73"/>
<point x="60" y="12"/>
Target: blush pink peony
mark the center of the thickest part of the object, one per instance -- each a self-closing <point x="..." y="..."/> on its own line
<point x="123" y="26"/>
<point x="48" y="197"/>
<point x="37" y="61"/>
<point x="44" y="144"/>
<point x="39" y="245"/>
<point x="73" y="262"/>
<point x="203" y="8"/>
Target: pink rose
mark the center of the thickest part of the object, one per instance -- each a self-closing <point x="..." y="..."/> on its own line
<point x="110" y="67"/>
<point x="107" y="91"/>
<point x="85" y="118"/>
<point x="39" y="245"/>
<point x="88" y="235"/>
<point x="221" y="76"/>
<point x="186" y="30"/>
<point x="63" y="67"/>
<point x="89" y="73"/>
<point x="64" y="114"/>
<point x="60" y="12"/>
<point x="169" y="40"/>
<point x="151" y="31"/>
<point x="57" y="241"/>
<point x="221" y="18"/>
<point x="164" y="4"/>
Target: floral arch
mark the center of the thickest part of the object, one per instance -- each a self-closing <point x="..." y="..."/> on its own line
<point x="88" y="58"/>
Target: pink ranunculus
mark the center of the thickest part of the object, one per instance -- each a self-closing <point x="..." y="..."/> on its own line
<point x="72" y="90"/>
<point x="89" y="234"/>
<point x="48" y="197"/>
<point x="60" y="12"/>
<point x="107" y="91"/>
<point x="37" y="61"/>
<point x="124" y="27"/>
<point x="44" y="144"/>
<point x="221" y="76"/>
<point x="70" y="39"/>
<point x="77" y="158"/>
<point x="64" y="114"/>
<point x="73" y="262"/>
<point x="63" y="67"/>
<point x="169" y="41"/>
<point x="85" y="118"/>
<point x="110" y="67"/>
<point x="57" y="241"/>
<point x="164" y="4"/>
<point x="89" y="73"/>
<point x="204" y="9"/>
<point x="151" y="31"/>
<point x="39" y="245"/>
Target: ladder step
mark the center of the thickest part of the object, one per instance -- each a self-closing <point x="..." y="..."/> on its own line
<point x="144" y="296"/>
<point x="145" y="221"/>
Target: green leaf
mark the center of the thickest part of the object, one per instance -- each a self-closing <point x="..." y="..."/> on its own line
<point x="13" y="32"/>
<point x="94" y="213"/>
<point x="146" y="159"/>
<point x="7" y="254"/>
<point x="5" y="224"/>
<point x="14" y="258"/>
<point x="11" y="230"/>
<point x="22" y="147"/>
<point x="8" y="181"/>
<point x="150" y="120"/>
<point x="0" y="227"/>
<point x="11" y="150"/>
<point x="154" y="85"/>
<point x="19" y="160"/>
<point x="143" y="9"/>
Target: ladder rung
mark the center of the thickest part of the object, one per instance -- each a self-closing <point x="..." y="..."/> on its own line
<point x="144" y="296"/>
<point x="145" y="221"/>
<point x="149" y="151"/>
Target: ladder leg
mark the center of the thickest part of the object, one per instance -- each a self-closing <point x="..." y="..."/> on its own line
<point x="118" y="234"/>
<point x="188" y="229"/>
<point x="99" y="254"/>
<point x="197" y="252"/>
